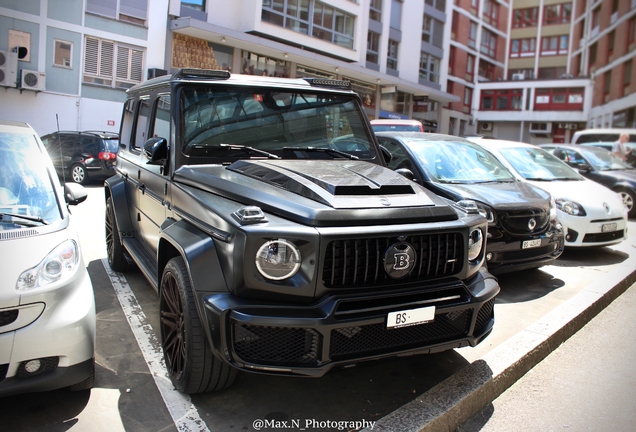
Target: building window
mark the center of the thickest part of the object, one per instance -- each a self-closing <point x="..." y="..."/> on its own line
<point x="627" y="74"/>
<point x="592" y="54"/>
<point x="432" y="31"/>
<point x="554" y="99"/>
<point x="429" y="67"/>
<point x="327" y="23"/>
<point x="557" y="14"/>
<point x="257" y="64"/>
<point x="551" y="72"/>
<point x="112" y="64"/>
<point x="488" y="43"/>
<point x="554" y="45"/>
<point x="366" y="91"/>
<point x="191" y="52"/>
<point x="440" y="5"/>
<point x="427" y="24"/>
<point x="486" y="70"/>
<point x="194" y="4"/>
<point x="522" y="47"/>
<point x="468" y="97"/>
<point x="631" y="32"/>
<point x="472" y="36"/>
<point x="595" y="22"/>
<point x="375" y="10"/>
<point x="62" y="53"/>
<point x="451" y="59"/>
<point x="470" y="68"/>
<point x="392" y="55"/>
<point x="491" y="10"/>
<point x="134" y="11"/>
<point x="454" y="25"/>
<point x="509" y="99"/>
<point x="373" y="47"/>
<point x="396" y="14"/>
<point x="608" y="83"/>
<point x="610" y="44"/>
<point x="525" y="17"/>
<point x="19" y="38"/>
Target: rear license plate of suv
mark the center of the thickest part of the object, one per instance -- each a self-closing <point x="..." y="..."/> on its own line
<point x="530" y="244"/>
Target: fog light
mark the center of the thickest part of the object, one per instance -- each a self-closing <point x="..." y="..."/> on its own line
<point x="488" y="256"/>
<point x="568" y="237"/>
<point x="32" y="366"/>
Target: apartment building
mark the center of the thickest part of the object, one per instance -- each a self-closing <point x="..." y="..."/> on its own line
<point x="560" y="66"/>
<point x="72" y="60"/>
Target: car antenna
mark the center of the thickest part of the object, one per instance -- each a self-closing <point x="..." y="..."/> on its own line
<point x="59" y="143"/>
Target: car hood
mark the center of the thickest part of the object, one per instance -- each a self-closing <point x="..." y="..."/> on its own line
<point x="318" y="193"/>
<point x="588" y="193"/>
<point x="500" y="195"/>
<point x="621" y="175"/>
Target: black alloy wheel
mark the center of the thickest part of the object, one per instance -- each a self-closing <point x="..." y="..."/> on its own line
<point x="191" y="365"/>
<point x="114" y="248"/>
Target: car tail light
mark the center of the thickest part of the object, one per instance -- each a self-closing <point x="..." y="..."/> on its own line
<point x="107" y="156"/>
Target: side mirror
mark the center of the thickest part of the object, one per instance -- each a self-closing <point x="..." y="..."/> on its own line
<point x="405" y="172"/>
<point x="156" y="151"/>
<point x="386" y="154"/>
<point x="583" y="167"/>
<point x="74" y="193"/>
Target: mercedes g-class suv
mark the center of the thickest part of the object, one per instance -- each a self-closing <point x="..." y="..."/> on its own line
<point x="262" y="212"/>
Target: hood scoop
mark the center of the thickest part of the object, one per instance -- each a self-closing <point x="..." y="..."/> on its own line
<point x="339" y="178"/>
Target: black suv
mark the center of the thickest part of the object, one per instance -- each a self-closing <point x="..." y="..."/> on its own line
<point x="262" y="212"/>
<point x="83" y="156"/>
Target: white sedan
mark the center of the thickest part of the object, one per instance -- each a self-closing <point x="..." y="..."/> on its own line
<point x="591" y="214"/>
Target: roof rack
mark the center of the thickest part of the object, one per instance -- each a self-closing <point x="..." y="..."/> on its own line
<point x="201" y="74"/>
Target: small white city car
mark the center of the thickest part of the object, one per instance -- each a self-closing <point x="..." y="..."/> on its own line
<point x="47" y="305"/>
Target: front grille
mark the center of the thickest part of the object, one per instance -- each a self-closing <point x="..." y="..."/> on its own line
<point x="516" y="222"/>
<point x="360" y="262"/>
<point x="4" y="368"/>
<point x="351" y="342"/>
<point x="486" y="313"/>
<point x="7" y="317"/>
<point x="603" y="237"/>
<point x="524" y="254"/>
<point x="277" y="346"/>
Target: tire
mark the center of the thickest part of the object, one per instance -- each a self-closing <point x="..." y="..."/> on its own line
<point x="192" y="367"/>
<point x="629" y="200"/>
<point x="114" y="249"/>
<point x="87" y="384"/>
<point x="79" y="174"/>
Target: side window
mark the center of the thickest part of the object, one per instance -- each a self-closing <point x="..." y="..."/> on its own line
<point x="162" y="117"/>
<point x="141" y="127"/>
<point x="89" y="147"/>
<point x="127" y="121"/>
<point x="399" y="158"/>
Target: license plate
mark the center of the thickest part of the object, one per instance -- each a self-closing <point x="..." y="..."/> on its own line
<point x="608" y="227"/>
<point x="530" y="244"/>
<point x="410" y="317"/>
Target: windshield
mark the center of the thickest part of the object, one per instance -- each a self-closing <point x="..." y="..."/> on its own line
<point x="396" y="128"/>
<point x="537" y="164"/>
<point x="458" y="162"/>
<point x="26" y="188"/>
<point x="602" y="160"/>
<point x="280" y="123"/>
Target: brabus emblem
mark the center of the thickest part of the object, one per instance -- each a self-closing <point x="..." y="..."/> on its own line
<point x="532" y="224"/>
<point x="399" y="260"/>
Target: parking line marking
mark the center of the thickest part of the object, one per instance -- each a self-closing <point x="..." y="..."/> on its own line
<point x="184" y="414"/>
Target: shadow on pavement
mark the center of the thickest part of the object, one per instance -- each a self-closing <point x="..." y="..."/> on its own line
<point x="585" y="257"/>
<point x="517" y="287"/>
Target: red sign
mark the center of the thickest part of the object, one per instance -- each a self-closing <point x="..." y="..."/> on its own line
<point x="111" y="122"/>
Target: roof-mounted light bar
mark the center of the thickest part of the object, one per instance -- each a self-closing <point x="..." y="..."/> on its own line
<point x="201" y="73"/>
<point x="322" y="82"/>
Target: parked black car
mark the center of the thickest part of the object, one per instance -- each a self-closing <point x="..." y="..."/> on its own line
<point x="83" y="156"/>
<point x="523" y="231"/>
<point x="262" y="213"/>
<point x="603" y="167"/>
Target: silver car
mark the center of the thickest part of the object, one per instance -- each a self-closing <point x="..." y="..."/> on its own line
<point x="47" y="305"/>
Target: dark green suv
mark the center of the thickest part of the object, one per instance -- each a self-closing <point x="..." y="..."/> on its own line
<point x="262" y="212"/>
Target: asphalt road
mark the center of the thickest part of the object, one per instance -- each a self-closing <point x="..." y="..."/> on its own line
<point x="131" y="391"/>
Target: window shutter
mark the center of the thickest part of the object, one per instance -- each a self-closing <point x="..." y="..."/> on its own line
<point x="91" y="56"/>
<point x="134" y="8"/>
<point x="106" y="59"/>
<point x="136" y="65"/>
<point x="102" y="7"/>
<point x="123" y="58"/>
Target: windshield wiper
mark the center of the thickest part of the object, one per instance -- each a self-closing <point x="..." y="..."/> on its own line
<point x="538" y="179"/>
<point x="248" y="149"/>
<point x="323" y="150"/>
<point x="566" y="179"/>
<point x="29" y="218"/>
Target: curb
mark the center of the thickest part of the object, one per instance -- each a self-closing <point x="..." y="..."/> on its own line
<point x="452" y="402"/>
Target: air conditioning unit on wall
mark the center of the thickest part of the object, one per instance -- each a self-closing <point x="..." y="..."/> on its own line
<point x="518" y="76"/>
<point x="32" y="80"/>
<point x="8" y="69"/>
<point x="486" y="126"/>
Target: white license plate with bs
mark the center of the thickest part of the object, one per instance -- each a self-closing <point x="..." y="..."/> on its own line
<point x="531" y="244"/>
<point x="410" y="317"/>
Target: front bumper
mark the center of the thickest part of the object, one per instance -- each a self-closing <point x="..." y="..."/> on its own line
<point x="506" y="255"/>
<point x="342" y="330"/>
<point x="592" y="231"/>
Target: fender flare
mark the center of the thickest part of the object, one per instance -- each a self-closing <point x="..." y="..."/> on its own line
<point x="115" y="188"/>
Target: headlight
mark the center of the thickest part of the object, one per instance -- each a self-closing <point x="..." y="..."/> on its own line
<point x="278" y="259"/>
<point x="553" y="213"/>
<point x="486" y="212"/>
<point x="60" y="264"/>
<point x="570" y="207"/>
<point x="475" y="244"/>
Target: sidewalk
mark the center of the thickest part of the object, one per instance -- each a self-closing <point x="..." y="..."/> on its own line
<point x="588" y="383"/>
